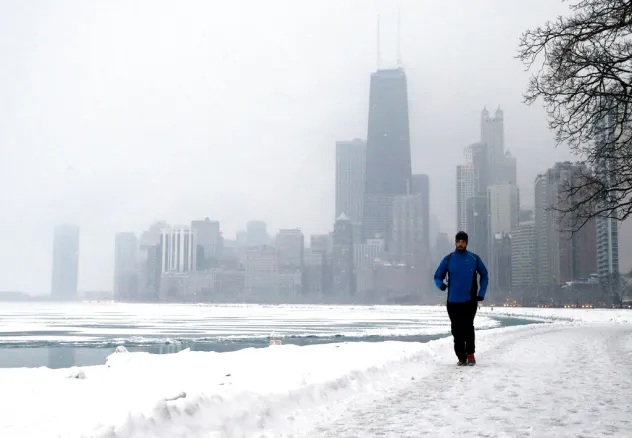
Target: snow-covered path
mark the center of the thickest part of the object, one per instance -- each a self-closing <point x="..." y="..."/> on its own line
<point x="568" y="378"/>
<point x="549" y="382"/>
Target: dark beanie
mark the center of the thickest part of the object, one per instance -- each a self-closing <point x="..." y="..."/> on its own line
<point x="461" y="235"/>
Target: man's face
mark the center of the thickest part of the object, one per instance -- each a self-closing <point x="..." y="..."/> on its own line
<point x="461" y="245"/>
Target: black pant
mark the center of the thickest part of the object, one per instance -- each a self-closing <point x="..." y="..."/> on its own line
<point x="462" y="325"/>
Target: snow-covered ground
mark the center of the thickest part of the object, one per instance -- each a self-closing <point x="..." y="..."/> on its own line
<point x="617" y="316"/>
<point x="567" y="378"/>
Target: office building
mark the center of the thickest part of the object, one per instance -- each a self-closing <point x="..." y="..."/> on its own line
<point x="65" y="263"/>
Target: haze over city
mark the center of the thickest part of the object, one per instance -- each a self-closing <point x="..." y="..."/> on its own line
<point x="116" y="115"/>
<point x="322" y="219"/>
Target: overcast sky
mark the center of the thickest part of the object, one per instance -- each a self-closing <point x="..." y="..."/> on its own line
<point x="115" y="114"/>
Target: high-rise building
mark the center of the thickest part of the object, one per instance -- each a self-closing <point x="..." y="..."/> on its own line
<point x="178" y="249"/>
<point x="366" y="254"/>
<point x="523" y="259"/>
<point x="492" y="134"/>
<point x="126" y="272"/>
<point x="434" y="232"/>
<point x="290" y="245"/>
<point x="407" y="238"/>
<point x="476" y="156"/>
<point x="209" y="244"/>
<point x="262" y="273"/>
<point x="466" y="188"/>
<point x="320" y="243"/>
<point x="625" y="235"/>
<point x="607" y="227"/>
<point x="507" y="171"/>
<point x="388" y="160"/>
<point x="343" y="272"/>
<point x="561" y="256"/>
<point x="350" y="166"/>
<point x="504" y="207"/>
<point x="65" y="263"/>
<point x="542" y="221"/>
<point x="478" y="226"/>
<point x="314" y="272"/>
<point x="504" y="210"/>
<point x="421" y="186"/>
<point x="150" y="262"/>
<point x="501" y="268"/>
<point x="323" y="244"/>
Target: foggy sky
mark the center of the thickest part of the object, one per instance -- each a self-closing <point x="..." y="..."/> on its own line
<point x="116" y="114"/>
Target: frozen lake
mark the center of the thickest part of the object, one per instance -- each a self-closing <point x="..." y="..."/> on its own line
<point x="64" y="334"/>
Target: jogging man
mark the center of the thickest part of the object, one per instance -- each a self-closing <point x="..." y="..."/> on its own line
<point x="462" y="267"/>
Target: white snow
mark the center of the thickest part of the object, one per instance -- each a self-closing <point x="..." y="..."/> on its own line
<point x="617" y="316"/>
<point x="570" y="377"/>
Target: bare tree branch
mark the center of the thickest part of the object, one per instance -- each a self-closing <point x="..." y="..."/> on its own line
<point x="582" y="67"/>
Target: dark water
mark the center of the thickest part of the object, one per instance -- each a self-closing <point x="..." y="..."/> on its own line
<point x="57" y="354"/>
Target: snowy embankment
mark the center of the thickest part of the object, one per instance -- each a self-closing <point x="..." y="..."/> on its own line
<point x="280" y="390"/>
<point x="616" y="316"/>
<point x="190" y="394"/>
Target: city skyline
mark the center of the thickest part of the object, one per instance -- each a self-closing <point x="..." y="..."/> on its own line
<point x="204" y="238"/>
<point x="112" y="151"/>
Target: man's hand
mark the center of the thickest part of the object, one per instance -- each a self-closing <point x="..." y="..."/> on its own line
<point x="443" y="286"/>
<point x="479" y="298"/>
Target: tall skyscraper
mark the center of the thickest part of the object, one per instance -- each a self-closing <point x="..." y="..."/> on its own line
<point x="523" y="260"/>
<point x="178" y="247"/>
<point x="408" y="241"/>
<point x="504" y="207"/>
<point x="150" y="262"/>
<point x="500" y="270"/>
<point x="471" y="181"/>
<point x="476" y="156"/>
<point x="210" y="243"/>
<point x="607" y="227"/>
<point x="492" y="134"/>
<point x="126" y="272"/>
<point x="560" y="256"/>
<point x="314" y="272"/>
<point x="388" y="160"/>
<point x="421" y="186"/>
<point x="542" y="232"/>
<point x="478" y="226"/>
<point x="625" y="235"/>
<point x="508" y="169"/>
<point x="343" y="272"/>
<point x="323" y="244"/>
<point x="504" y="210"/>
<point x="350" y="166"/>
<point x="65" y="263"/>
<point x="466" y="188"/>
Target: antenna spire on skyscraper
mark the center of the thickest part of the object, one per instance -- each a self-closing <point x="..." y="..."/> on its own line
<point x="399" y="51"/>
<point x="378" y="41"/>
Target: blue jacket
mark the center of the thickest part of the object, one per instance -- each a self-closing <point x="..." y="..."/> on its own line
<point x="462" y="281"/>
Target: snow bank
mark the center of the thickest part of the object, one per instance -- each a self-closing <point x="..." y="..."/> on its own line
<point x="616" y="316"/>
<point x="183" y="394"/>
